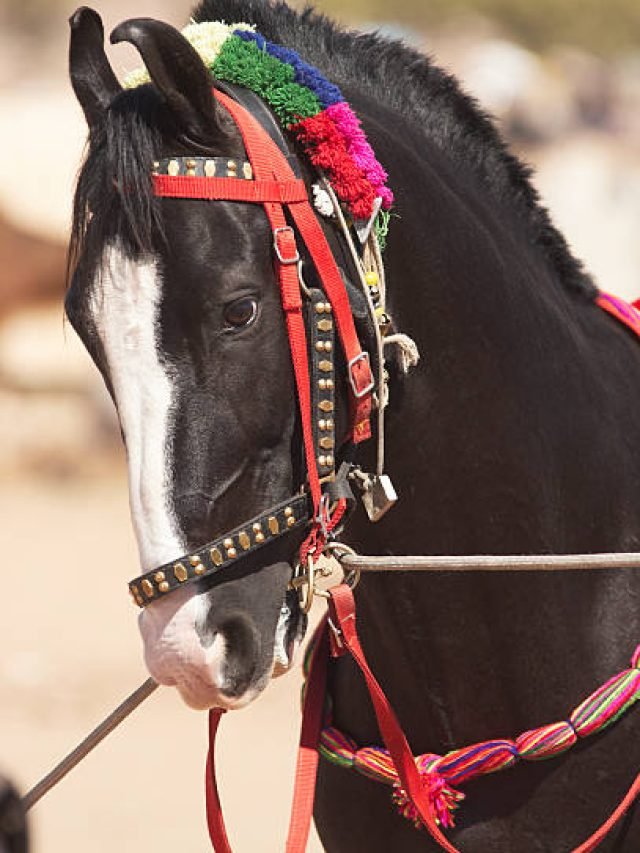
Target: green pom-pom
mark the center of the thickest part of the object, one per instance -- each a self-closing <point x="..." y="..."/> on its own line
<point x="247" y="65"/>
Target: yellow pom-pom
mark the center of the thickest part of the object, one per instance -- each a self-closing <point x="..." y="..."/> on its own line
<point x="207" y="37"/>
<point x="372" y="279"/>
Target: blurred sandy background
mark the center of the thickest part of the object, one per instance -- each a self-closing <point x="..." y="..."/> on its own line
<point x="564" y="80"/>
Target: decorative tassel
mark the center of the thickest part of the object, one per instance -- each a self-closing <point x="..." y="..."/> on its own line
<point x="443" y="799"/>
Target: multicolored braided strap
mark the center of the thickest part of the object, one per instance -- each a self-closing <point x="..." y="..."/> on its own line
<point x="441" y="773"/>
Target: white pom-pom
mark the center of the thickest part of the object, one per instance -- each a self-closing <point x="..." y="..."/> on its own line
<point x="322" y="200"/>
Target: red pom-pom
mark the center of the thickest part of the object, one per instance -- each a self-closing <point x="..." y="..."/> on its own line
<point x="327" y="150"/>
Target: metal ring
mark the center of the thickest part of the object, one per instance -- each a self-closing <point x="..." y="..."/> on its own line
<point x="304" y="582"/>
<point x="340" y="549"/>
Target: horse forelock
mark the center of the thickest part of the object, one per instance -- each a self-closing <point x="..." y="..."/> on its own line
<point x="114" y="192"/>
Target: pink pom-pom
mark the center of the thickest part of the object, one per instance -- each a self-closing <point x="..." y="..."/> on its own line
<point x="443" y="800"/>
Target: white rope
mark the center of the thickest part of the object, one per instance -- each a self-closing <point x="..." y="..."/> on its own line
<point x="409" y="353"/>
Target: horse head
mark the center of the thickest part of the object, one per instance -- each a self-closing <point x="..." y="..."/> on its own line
<point x="178" y="304"/>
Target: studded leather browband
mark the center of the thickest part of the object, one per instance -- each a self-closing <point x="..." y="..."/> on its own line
<point x="222" y="552"/>
<point x="203" y="167"/>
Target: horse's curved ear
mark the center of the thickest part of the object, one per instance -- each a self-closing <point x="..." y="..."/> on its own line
<point x="178" y="72"/>
<point x="92" y="78"/>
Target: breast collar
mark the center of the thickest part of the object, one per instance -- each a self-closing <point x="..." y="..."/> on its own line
<point x="272" y="177"/>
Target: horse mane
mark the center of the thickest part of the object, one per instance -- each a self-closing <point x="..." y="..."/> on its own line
<point x="410" y="83"/>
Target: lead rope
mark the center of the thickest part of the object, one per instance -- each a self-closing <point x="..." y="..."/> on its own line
<point x="89" y="743"/>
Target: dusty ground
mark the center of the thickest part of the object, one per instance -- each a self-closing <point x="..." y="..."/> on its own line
<point x="70" y="652"/>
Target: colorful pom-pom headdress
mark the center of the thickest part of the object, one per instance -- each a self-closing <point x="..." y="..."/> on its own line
<point x="312" y="109"/>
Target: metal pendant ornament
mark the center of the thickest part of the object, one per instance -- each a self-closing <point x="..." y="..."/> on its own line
<point x="378" y="496"/>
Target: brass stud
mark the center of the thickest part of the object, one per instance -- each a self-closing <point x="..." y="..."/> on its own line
<point x="173" y="168"/>
<point x="330" y="461"/>
<point x="274" y="527"/>
<point x="256" y="527"/>
<point x="291" y="521"/>
<point x="325" y="406"/>
<point x="326" y="443"/>
<point x="322" y="461"/>
<point x="199" y="569"/>
<point x="322" y="424"/>
<point x="320" y="346"/>
<point x="326" y="366"/>
<point x="191" y="168"/>
<point x="194" y="560"/>
<point x="156" y="166"/>
<point x="329" y="423"/>
<point x="325" y="325"/>
<point x="163" y="587"/>
<point x="327" y="308"/>
<point x="322" y="384"/>
<point x="288" y="512"/>
<point x="216" y="556"/>
<point x="232" y="553"/>
<point x="232" y="168"/>
<point x="247" y="171"/>
<point x="210" y="168"/>
<point x="147" y="588"/>
<point x="243" y="539"/>
<point x="330" y="384"/>
<point x="328" y="346"/>
<point x="319" y="307"/>
<point x="228" y="543"/>
<point x="158" y="577"/>
<point x="260" y="537"/>
<point x="180" y="572"/>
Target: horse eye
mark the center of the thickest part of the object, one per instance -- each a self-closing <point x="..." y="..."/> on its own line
<point x="240" y="313"/>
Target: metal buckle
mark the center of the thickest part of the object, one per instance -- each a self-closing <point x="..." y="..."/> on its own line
<point x="279" y="255"/>
<point x="363" y="356"/>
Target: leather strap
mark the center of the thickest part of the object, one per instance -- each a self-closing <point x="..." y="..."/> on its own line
<point x="322" y="360"/>
<point x="265" y="157"/>
<point x="223" y="552"/>
<point x="308" y="755"/>
<point x="215" y="820"/>
<point x="269" y="163"/>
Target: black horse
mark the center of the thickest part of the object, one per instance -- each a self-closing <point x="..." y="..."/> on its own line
<point x="517" y="433"/>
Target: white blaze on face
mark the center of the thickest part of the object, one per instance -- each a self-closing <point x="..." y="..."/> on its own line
<point x="124" y="304"/>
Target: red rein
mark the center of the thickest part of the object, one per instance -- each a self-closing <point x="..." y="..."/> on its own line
<point x="335" y="643"/>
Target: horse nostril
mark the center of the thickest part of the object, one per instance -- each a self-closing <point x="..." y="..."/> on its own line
<point x="242" y="654"/>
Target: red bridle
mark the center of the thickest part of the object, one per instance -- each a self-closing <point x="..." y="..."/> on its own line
<point x="277" y="188"/>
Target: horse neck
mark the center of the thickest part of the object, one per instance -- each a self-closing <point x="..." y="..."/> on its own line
<point x="481" y="448"/>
